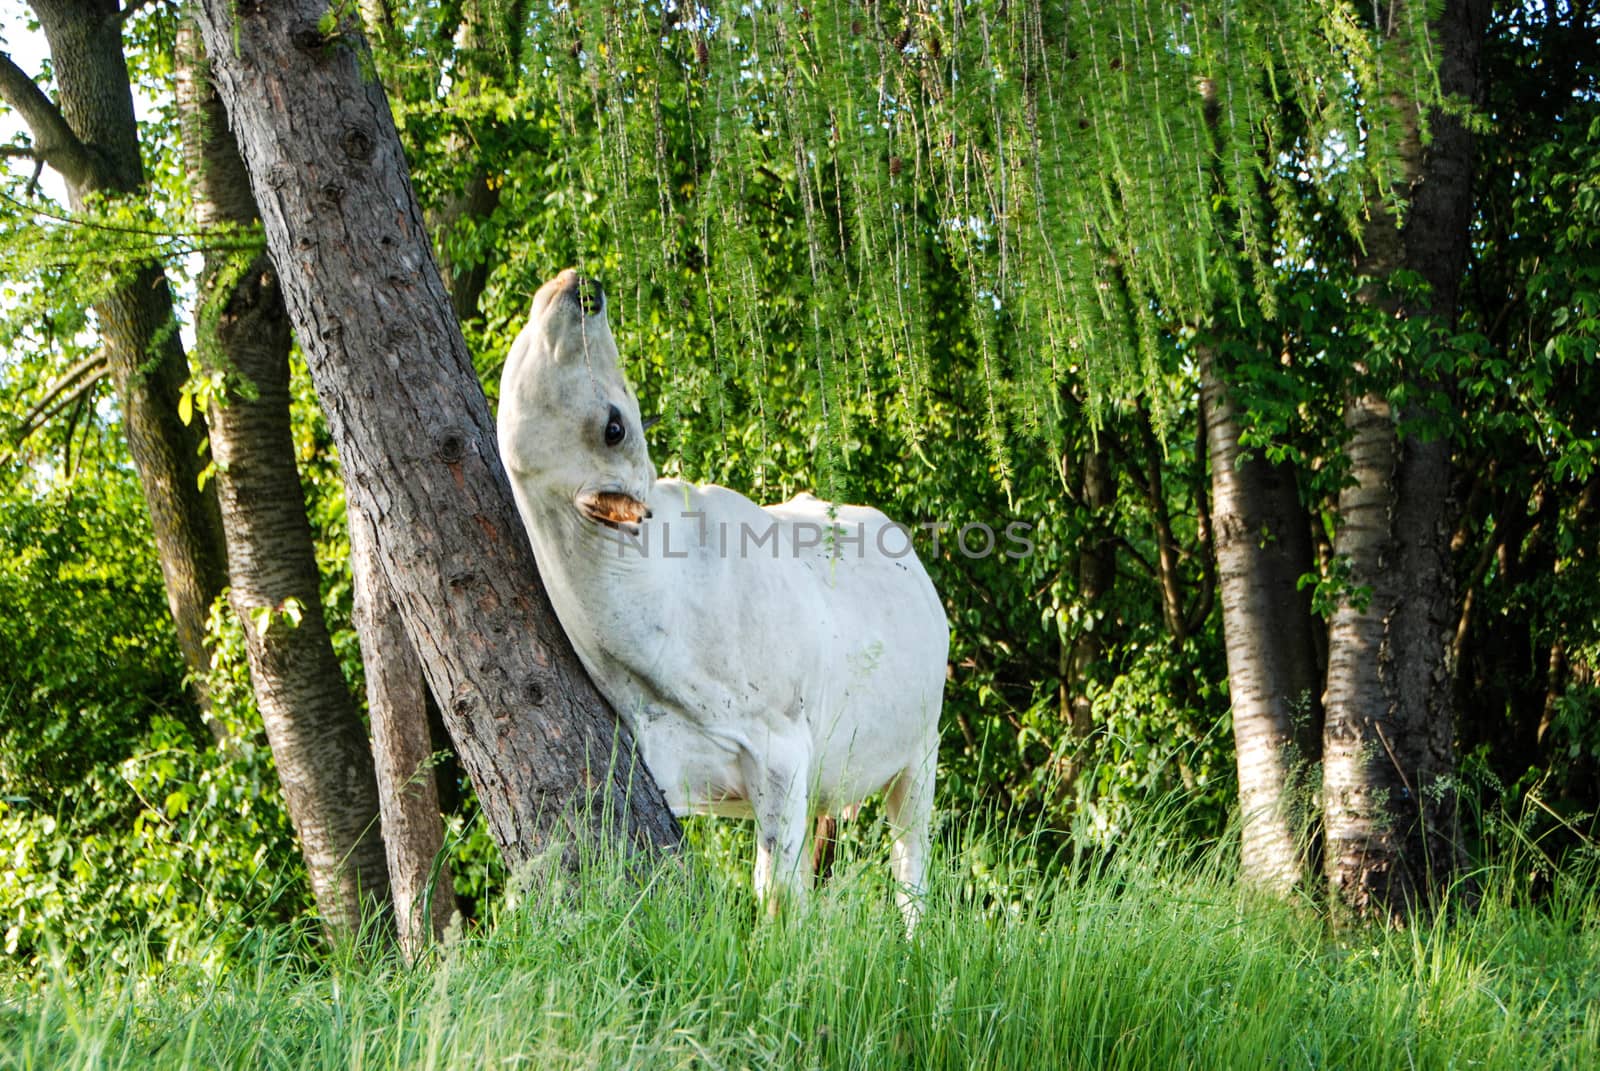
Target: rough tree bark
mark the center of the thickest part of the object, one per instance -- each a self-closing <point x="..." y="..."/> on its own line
<point x="550" y="761"/>
<point x="1263" y="547"/>
<point x="402" y="747"/>
<point x="313" y="725"/>
<point x="91" y="140"/>
<point x="404" y="715"/>
<point x="397" y="693"/>
<point x="1388" y="758"/>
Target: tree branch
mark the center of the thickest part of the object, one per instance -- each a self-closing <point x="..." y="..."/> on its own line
<point x="53" y="140"/>
<point x="1133" y="552"/>
<point x="78" y="412"/>
<point x="42" y="409"/>
<point x="82" y="385"/>
<point x="1167" y="549"/>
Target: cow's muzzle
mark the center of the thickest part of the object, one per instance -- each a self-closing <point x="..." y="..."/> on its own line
<point x="612" y="508"/>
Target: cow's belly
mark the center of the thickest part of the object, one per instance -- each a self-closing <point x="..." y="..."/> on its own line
<point x="880" y="726"/>
<point x="879" y="685"/>
<point x="699" y="768"/>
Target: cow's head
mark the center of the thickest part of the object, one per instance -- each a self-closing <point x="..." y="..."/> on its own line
<point x="569" y="424"/>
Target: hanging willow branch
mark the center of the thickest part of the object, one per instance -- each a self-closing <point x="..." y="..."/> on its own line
<point x="1058" y="158"/>
<point x="112" y="233"/>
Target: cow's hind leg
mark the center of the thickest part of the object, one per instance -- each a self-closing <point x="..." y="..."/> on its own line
<point x="909" y="808"/>
<point x="777" y="791"/>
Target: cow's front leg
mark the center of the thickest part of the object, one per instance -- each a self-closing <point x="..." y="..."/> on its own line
<point x="778" y="788"/>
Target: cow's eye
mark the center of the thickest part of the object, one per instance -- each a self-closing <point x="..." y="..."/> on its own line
<point x="616" y="430"/>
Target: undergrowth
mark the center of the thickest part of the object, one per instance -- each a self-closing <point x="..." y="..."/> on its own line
<point x="1146" y="957"/>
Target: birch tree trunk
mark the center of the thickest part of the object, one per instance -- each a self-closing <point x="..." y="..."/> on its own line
<point x="550" y="761"/>
<point x="1263" y="547"/>
<point x="319" y="744"/>
<point x="1388" y="756"/>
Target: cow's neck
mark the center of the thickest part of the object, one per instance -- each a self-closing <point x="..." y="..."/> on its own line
<point x="585" y="564"/>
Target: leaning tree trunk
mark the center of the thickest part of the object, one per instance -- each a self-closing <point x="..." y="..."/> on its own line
<point x="402" y="747"/>
<point x="550" y="761"/>
<point x="412" y="776"/>
<point x="313" y="725"/>
<point x="92" y="141"/>
<point x="1388" y="761"/>
<point x="1263" y="547"/>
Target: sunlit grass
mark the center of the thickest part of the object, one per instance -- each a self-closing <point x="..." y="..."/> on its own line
<point x="1150" y="957"/>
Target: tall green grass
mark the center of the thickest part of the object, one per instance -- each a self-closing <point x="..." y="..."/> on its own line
<point x="1149" y="957"/>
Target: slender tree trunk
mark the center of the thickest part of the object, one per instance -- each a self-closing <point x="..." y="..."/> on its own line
<point x="469" y="208"/>
<point x="402" y="747"/>
<point x="397" y="692"/>
<point x="464" y="278"/>
<point x="550" y="761"/>
<point x="1172" y="608"/>
<point x="1263" y="547"/>
<point x="1389" y="805"/>
<point x="1096" y="573"/>
<point x="1373" y="754"/>
<point x="93" y="142"/>
<point x="313" y="725"/>
<point x="466" y="209"/>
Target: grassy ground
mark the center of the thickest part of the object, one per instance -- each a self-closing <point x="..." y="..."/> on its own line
<point x="1141" y="962"/>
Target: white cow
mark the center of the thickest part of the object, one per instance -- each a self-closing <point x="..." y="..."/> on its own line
<point x="771" y="662"/>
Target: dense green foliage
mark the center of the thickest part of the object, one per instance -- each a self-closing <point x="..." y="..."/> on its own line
<point x="94" y="643"/>
<point x="118" y="832"/>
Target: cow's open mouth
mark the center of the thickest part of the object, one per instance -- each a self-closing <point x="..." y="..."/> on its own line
<point x="612" y="508"/>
